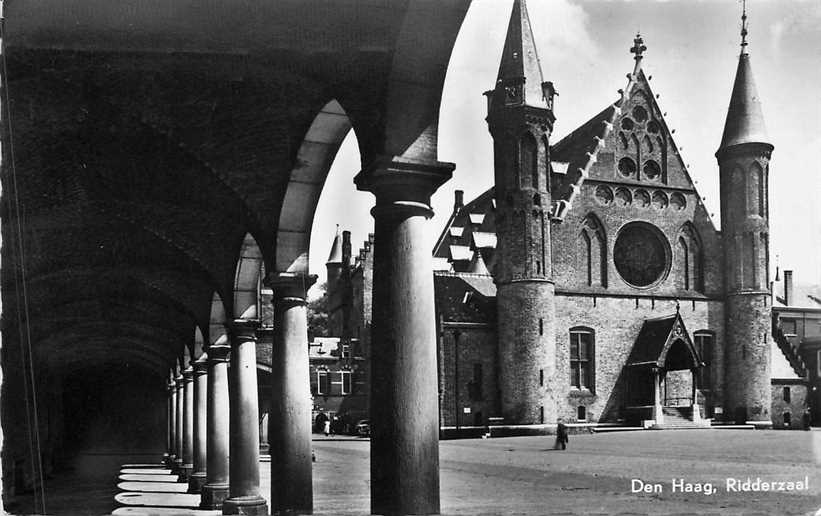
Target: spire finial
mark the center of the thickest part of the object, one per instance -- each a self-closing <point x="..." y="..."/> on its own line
<point x="743" y="26"/>
<point x="638" y="47"/>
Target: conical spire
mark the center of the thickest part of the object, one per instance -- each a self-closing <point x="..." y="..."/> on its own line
<point x="336" y="249"/>
<point x="520" y="61"/>
<point x="745" y="121"/>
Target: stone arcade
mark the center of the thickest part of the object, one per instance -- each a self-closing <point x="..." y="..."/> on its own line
<point x="160" y="165"/>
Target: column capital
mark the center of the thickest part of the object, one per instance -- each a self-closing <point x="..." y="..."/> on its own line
<point x="218" y="353"/>
<point x="290" y="286"/>
<point x="201" y="365"/>
<point x="188" y="374"/>
<point x="243" y="329"/>
<point x="403" y="182"/>
<point x="179" y="380"/>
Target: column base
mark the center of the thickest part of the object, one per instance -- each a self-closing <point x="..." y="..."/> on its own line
<point x="254" y="505"/>
<point x="196" y="481"/>
<point x="213" y="495"/>
<point x="184" y="473"/>
<point x="169" y="460"/>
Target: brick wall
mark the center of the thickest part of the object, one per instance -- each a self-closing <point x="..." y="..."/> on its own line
<point x="616" y="322"/>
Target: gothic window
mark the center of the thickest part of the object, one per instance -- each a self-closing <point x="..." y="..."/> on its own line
<point x="582" y="354"/>
<point x="683" y="264"/>
<point x="529" y="159"/>
<point x="703" y="341"/>
<point x="593" y="253"/>
<point x="623" y="140"/>
<point x="689" y="259"/>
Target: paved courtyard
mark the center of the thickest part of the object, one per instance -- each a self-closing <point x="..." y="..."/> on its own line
<point x="525" y="476"/>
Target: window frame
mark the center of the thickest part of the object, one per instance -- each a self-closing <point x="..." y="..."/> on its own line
<point x="319" y="374"/>
<point x="342" y="374"/>
<point x="583" y="369"/>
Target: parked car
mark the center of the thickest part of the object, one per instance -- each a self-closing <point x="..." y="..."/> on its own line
<point x="363" y="428"/>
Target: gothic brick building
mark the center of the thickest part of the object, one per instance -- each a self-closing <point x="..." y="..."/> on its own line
<point x="590" y="283"/>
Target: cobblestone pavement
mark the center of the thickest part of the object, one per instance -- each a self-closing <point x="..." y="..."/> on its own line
<point x="525" y="476"/>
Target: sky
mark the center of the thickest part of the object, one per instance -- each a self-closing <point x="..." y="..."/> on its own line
<point x="692" y="54"/>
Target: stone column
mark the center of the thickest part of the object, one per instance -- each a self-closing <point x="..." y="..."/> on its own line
<point x="172" y="423"/>
<point x="215" y="489"/>
<point x="187" y="424"/>
<point x="658" y="410"/>
<point x="290" y="418"/>
<point x="179" y="384"/>
<point x="404" y="398"/>
<point x="244" y="497"/>
<point x="198" y="476"/>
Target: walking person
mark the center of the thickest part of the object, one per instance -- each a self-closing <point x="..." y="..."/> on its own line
<point x="561" y="435"/>
<point x="327" y="427"/>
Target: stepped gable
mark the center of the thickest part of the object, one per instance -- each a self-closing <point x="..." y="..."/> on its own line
<point x="470" y="228"/>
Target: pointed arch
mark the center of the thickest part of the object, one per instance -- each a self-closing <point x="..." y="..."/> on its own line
<point x="682" y="252"/>
<point x="689" y="258"/>
<point x="592" y="252"/>
<point x="246" y="280"/>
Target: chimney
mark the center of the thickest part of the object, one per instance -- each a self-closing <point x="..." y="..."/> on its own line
<point x="788" y="292"/>
<point x="346" y="250"/>
<point x="458" y="200"/>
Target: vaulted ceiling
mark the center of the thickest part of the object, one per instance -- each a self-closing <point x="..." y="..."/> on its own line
<point x="144" y="141"/>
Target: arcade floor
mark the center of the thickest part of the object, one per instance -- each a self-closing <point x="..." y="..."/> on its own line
<point x="597" y="474"/>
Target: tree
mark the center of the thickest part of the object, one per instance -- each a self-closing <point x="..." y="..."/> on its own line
<point x="318" y="314"/>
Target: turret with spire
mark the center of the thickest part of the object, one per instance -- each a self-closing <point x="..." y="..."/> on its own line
<point x="520" y="119"/>
<point x="743" y="159"/>
<point x="334" y="264"/>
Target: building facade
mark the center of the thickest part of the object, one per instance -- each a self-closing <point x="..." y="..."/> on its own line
<point x="590" y="283"/>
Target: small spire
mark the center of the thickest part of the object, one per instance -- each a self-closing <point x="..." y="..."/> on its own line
<point x="744" y="26"/>
<point x="638" y="47"/>
<point x="336" y="249"/>
<point x="520" y="72"/>
<point x="745" y="121"/>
